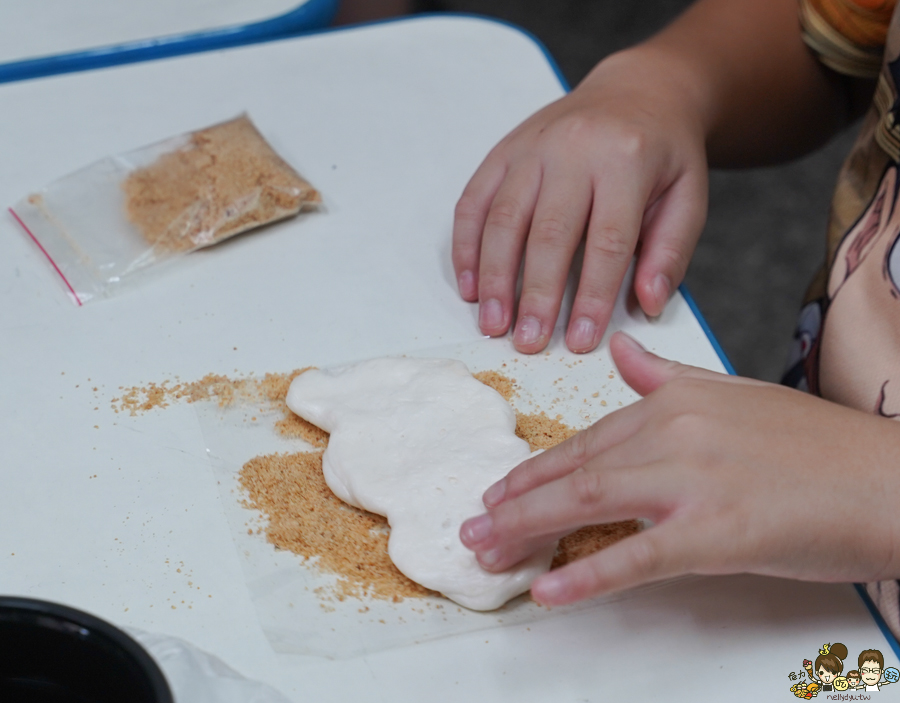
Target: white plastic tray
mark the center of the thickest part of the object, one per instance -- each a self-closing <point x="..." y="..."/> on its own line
<point x="121" y="516"/>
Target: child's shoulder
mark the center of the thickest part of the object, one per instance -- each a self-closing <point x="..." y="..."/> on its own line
<point x="848" y="35"/>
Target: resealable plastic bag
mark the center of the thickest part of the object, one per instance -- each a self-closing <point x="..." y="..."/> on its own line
<point x="123" y="215"/>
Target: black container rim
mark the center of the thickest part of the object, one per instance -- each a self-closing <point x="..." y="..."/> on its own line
<point x="12" y="605"/>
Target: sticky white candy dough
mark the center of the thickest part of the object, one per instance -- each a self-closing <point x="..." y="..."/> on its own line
<point x="419" y="441"/>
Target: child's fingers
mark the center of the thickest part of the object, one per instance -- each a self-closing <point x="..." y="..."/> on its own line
<point x="468" y="224"/>
<point x="668" y="238"/>
<point x="503" y="240"/>
<point x="581" y="498"/>
<point x="615" y="221"/>
<point x="567" y="456"/>
<point x="643" y="371"/>
<point x="556" y="229"/>
<point x="501" y="559"/>
<point x="654" y="554"/>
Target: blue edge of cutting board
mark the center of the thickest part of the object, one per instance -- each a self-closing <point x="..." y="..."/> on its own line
<point x="312" y="17"/>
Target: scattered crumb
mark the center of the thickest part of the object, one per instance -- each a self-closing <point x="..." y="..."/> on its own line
<point x="269" y="392"/>
<point x="303" y="516"/>
<point x="540" y="431"/>
<point x="504" y="385"/>
<point x="591" y="539"/>
<point x="306" y="518"/>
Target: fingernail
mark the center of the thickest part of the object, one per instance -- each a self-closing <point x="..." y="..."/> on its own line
<point x="549" y="588"/>
<point x="489" y="558"/>
<point x="466" y="283"/>
<point x="493" y="495"/>
<point x="661" y="289"/>
<point x="476" y="529"/>
<point x="528" y="331"/>
<point x="630" y="341"/>
<point x="491" y="314"/>
<point x="582" y="335"/>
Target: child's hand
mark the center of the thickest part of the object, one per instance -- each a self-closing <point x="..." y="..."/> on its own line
<point x="620" y="160"/>
<point x="736" y="475"/>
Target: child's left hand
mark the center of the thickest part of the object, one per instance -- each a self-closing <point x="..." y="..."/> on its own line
<point x="736" y="475"/>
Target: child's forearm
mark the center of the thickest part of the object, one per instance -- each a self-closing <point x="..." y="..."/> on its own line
<point x="761" y="94"/>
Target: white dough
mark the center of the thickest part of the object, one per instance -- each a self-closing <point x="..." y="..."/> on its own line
<point x="419" y="441"/>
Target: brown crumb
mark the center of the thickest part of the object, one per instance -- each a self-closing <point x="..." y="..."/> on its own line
<point x="225" y="180"/>
<point x="269" y="391"/>
<point x="542" y="432"/>
<point x="306" y="518"/>
<point x="504" y="385"/>
<point x="303" y="516"/>
<point x="292" y="425"/>
<point x="591" y="539"/>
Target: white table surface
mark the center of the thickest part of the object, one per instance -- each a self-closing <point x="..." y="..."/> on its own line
<point x="99" y="510"/>
<point x="34" y="28"/>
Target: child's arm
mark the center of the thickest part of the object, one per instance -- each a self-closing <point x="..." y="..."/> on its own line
<point x="736" y="475"/>
<point x="623" y="158"/>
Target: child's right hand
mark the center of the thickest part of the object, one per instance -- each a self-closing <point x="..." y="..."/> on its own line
<point x="621" y="162"/>
<point x="736" y="475"/>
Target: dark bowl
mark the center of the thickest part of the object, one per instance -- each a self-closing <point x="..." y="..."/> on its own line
<point x="50" y="653"/>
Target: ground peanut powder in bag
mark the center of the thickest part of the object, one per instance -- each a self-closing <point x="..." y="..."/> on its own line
<point x="224" y="181"/>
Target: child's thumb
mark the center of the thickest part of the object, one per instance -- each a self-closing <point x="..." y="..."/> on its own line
<point x="644" y="371"/>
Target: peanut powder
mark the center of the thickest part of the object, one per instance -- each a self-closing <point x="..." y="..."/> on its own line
<point x="267" y="392"/>
<point x="226" y="180"/>
<point x="504" y="385"/>
<point x="304" y="517"/>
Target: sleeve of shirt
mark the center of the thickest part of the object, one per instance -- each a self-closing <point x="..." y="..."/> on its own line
<point x="848" y="36"/>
